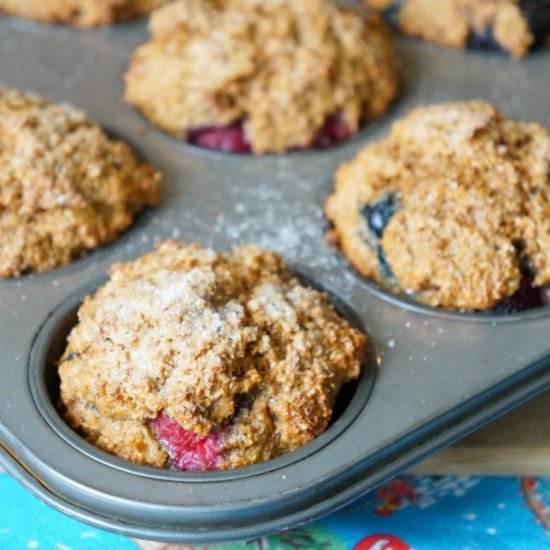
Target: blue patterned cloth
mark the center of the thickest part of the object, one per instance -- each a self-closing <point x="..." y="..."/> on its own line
<point x="425" y="512"/>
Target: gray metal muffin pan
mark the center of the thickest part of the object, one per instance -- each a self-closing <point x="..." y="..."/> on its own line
<point x="440" y="375"/>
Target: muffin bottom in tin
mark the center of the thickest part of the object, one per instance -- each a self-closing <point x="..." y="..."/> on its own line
<point x="50" y="343"/>
<point x="442" y="375"/>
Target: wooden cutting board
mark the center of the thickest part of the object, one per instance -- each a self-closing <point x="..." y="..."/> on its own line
<point x="516" y="444"/>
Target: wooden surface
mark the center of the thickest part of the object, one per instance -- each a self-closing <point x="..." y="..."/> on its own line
<point x="516" y="444"/>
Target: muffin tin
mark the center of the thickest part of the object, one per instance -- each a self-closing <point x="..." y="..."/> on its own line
<point x="439" y="375"/>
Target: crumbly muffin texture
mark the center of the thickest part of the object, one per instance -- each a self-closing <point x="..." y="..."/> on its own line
<point x="451" y="207"/>
<point x="510" y="25"/>
<point x="80" y="13"/>
<point x="65" y="188"/>
<point x="282" y="67"/>
<point x="227" y="347"/>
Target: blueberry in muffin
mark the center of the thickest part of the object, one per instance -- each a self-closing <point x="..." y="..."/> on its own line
<point x="65" y="187"/>
<point x="512" y="26"/>
<point x="197" y="360"/>
<point x="451" y="208"/>
<point x="79" y="13"/>
<point x="262" y="77"/>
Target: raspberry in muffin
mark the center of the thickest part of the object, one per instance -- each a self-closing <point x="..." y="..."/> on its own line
<point x="262" y="77"/>
<point x="80" y="13"/>
<point x="513" y="26"/>
<point x="453" y="208"/>
<point x="195" y="360"/>
<point x="65" y="188"/>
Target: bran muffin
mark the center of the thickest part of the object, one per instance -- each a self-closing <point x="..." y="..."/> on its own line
<point x="452" y="207"/>
<point x="249" y="75"/>
<point x="65" y="188"/>
<point x="80" y="13"/>
<point x="513" y="26"/>
<point x="202" y="361"/>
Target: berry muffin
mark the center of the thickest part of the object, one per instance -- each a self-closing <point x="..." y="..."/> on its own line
<point x="513" y="26"/>
<point x="79" y="13"/>
<point x="65" y="188"/>
<point x="453" y="208"/>
<point x="262" y="77"/>
<point x="194" y="360"/>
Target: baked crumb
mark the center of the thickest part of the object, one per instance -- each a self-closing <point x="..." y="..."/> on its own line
<point x="511" y="25"/>
<point x="80" y="13"/>
<point x="281" y="68"/>
<point x="225" y="347"/>
<point x="65" y="188"/>
<point x="470" y="191"/>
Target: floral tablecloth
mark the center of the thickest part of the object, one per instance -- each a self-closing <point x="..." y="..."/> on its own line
<point x="424" y="512"/>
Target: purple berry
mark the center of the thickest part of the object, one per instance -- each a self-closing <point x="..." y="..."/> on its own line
<point x="385" y="268"/>
<point x="484" y="41"/>
<point x="232" y="138"/>
<point x="391" y="14"/>
<point x="379" y="214"/>
<point x="537" y="15"/>
<point x="335" y="130"/>
<point x="526" y="297"/>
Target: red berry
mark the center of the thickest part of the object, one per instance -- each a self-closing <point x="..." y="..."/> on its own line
<point x="229" y="139"/>
<point x="232" y="138"/>
<point x="334" y="131"/>
<point x="188" y="451"/>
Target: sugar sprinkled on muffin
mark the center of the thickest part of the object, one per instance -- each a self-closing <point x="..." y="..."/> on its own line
<point x="200" y="360"/>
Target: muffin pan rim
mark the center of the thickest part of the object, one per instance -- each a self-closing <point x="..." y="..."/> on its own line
<point x="392" y="327"/>
<point x="401" y="300"/>
<point x="42" y="342"/>
<point x="40" y="487"/>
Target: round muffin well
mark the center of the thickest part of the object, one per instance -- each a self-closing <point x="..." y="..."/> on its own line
<point x="281" y="70"/>
<point x="65" y="187"/>
<point x="199" y="361"/>
<point x="511" y="26"/>
<point x="452" y="208"/>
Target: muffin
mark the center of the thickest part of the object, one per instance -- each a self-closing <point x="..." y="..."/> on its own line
<point x="513" y="26"/>
<point x="79" y="13"/>
<point x="195" y="360"/>
<point x="262" y="77"/>
<point x="65" y="188"/>
<point x="452" y="208"/>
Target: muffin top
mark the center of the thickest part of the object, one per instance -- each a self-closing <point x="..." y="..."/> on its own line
<point x="64" y="186"/>
<point x="226" y="352"/>
<point x="282" y="68"/>
<point x="80" y="13"/>
<point x="453" y="206"/>
<point x="510" y="25"/>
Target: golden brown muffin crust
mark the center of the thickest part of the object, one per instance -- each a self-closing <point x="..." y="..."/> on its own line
<point x="64" y="186"/>
<point x="283" y="67"/>
<point x="474" y="198"/>
<point x="212" y="340"/>
<point x="449" y="22"/>
<point x="80" y="13"/>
